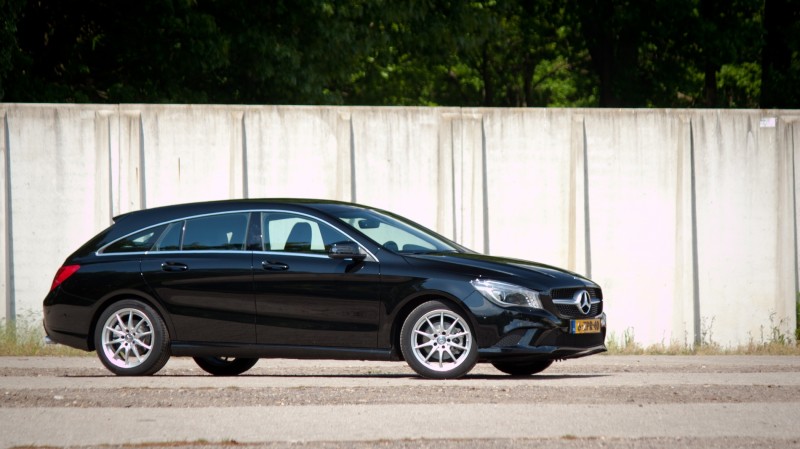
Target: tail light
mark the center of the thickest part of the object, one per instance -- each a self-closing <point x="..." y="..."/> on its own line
<point x="62" y="274"/>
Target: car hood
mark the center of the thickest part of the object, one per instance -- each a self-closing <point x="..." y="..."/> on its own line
<point x="523" y="272"/>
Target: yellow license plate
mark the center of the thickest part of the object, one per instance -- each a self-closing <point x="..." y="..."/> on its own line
<point x="584" y="326"/>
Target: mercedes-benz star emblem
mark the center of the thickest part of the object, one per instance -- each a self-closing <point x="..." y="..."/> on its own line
<point x="583" y="301"/>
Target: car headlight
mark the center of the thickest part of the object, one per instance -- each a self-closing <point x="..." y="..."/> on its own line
<point x="505" y="294"/>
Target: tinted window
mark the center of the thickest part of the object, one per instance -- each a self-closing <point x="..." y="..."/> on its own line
<point x="171" y="240"/>
<point x="297" y="233"/>
<point x="138" y="242"/>
<point x="254" y="240"/>
<point x="218" y="233"/>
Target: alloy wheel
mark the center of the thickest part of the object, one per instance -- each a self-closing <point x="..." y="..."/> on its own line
<point x="127" y="338"/>
<point x="441" y="340"/>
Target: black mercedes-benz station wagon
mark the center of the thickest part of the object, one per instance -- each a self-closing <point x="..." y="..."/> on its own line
<point x="229" y="282"/>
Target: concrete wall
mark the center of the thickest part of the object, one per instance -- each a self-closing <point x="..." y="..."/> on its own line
<point x="687" y="218"/>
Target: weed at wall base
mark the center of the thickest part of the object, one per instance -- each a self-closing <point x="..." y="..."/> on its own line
<point x="775" y="343"/>
<point x="25" y="337"/>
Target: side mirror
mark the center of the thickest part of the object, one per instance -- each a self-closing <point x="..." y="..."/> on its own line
<point x="346" y="250"/>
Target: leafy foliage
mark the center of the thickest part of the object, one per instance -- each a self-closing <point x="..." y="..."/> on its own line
<point x="517" y="53"/>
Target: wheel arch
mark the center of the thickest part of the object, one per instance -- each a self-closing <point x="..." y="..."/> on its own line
<point x="123" y="295"/>
<point x="415" y="301"/>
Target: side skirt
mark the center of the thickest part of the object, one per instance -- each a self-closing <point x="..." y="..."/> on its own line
<point x="191" y="349"/>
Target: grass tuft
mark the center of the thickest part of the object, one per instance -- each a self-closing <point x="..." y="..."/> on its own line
<point x="772" y="341"/>
<point x="797" y="322"/>
<point x="675" y="348"/>
<point x="26" y="338"/>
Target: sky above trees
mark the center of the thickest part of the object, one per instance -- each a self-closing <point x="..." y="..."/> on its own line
<point x="515" y="53"/>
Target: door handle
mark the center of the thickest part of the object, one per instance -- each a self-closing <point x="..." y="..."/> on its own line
<point x="174" y="266"/>
<point x="274" y="266"/>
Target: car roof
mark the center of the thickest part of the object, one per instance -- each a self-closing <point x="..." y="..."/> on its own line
<point x="130" y="222"/>
<point x="160" y="214"/>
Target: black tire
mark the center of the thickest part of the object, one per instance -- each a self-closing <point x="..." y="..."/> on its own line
<point x="523" y="369"/>
<point x="224" y="366"/>
<point x="131" y="339"/>
<point x="437" y="341"/>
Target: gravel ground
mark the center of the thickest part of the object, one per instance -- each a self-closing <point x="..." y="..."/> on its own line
<point x="698" y="380"/>
<point x="543" y="443"/>
<point x="238" y="397"/>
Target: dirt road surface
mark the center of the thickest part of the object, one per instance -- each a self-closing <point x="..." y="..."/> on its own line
<point x="600" y="401"/>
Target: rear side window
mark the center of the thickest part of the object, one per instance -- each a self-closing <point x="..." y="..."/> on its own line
<point x="216" y="233"/>
<point x="139" y="242"/>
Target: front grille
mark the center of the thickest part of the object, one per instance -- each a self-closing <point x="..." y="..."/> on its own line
<point x="512" y="338"/>
<point x="561" y="339"/>
<point x="572" y="310"/>
<point x="568" y="293"/>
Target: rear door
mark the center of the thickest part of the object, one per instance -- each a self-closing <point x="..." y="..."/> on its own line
<point x="202" y="271"/>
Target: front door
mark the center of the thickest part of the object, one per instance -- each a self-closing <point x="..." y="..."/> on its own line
<point x="305" y="298"/>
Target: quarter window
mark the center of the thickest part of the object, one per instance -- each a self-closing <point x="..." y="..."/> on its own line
<point x="138" y="242"/>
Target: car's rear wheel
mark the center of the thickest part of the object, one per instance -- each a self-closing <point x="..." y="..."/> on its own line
<point x="523" y="369"/>
<point x="437" y="341"/>
<point x="131" y="339"/>
<point x="225" y="366"/>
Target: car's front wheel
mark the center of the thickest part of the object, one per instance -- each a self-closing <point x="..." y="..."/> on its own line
<point x="437" y="341"/>
<point x="131" y="339"/>
<point x="522" y="369"/>
<point x="225" y="366"/>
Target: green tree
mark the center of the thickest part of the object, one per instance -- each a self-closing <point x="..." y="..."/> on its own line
<point x="292" y="52"/>
<point x="780" y="80"/>
<point x="9" y="16"/>
<point x="118" y="51"/>
<point x="672" y="53"/>
<point x="480" y="53"/>
<point x="727" y="42"/>
<point x="519" y="53"/>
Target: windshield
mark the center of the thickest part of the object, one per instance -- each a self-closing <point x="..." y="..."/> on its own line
<point x="395" y="233"/>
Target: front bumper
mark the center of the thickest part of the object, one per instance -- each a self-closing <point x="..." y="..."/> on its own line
<point x="532" y="354"/>
<point x="534" y="343"/>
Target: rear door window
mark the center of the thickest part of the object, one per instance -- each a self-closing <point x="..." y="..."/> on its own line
<point x="216" y="233"/>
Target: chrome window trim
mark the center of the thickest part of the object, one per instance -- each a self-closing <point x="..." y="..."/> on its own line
<point x="140" y="253"/>
<point x="572" y="302"/>
<point x="201" y="251"/>
<point x="311" y="255"/>
<point x="100" y="252"/>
